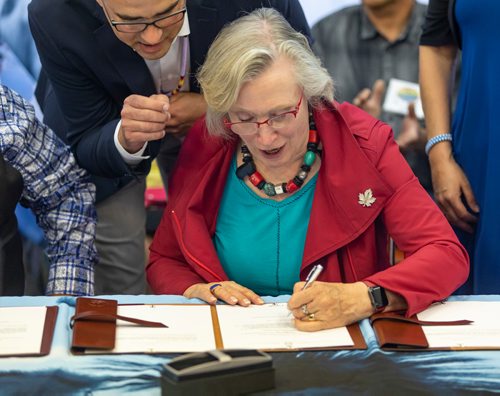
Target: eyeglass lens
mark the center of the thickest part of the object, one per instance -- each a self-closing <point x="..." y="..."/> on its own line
<point x="159" y="23"/>
<point x="278" y="121"/>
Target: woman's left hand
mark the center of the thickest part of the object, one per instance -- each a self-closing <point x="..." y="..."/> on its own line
<point x="230" y="292"/>
<point x="325" y="305"/>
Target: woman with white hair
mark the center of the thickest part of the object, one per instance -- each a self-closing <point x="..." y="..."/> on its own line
<point x="279" y="178"/>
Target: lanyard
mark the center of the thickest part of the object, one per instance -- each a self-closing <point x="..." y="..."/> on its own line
<point x="182" y="77"/>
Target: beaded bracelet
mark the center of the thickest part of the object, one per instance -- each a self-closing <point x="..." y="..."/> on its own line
<point x="437" y="139"/>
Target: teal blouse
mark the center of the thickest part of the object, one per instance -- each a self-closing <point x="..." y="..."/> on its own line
<point x="259" y="241"/>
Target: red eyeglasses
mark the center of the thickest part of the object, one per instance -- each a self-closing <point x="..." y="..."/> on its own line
<point x="278" y="121"/>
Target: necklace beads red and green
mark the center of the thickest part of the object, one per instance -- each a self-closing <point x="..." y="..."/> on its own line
<point x="248" y="168"/>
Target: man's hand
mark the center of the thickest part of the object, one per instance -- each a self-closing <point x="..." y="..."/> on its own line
<point x="185" y="108"/>
<point x="143" y="119"/>
<point x="370" y="100"/>
<point x="411" y="135"/>
<point x="450" y="184"/>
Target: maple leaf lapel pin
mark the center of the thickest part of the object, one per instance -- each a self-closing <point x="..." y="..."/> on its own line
<point x="366" y="198"/>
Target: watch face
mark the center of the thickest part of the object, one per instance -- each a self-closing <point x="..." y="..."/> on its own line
<point x="378" y="297"/>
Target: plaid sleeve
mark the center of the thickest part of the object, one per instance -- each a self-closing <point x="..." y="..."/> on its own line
<point x="57" y="190"/>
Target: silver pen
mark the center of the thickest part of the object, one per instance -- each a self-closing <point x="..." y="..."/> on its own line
<point x="313" y="275"/>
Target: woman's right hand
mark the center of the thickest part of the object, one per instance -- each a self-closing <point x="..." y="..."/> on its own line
<point x="450" y="183"/>
<point x="230" y="292"/>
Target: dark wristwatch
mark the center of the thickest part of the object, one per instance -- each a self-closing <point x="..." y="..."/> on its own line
<point x="378" y="297"/>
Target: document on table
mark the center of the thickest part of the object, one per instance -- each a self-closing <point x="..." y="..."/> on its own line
<point x="26" y="331"/>
<point x="484" y="332"/>
<point x="189" y="329"/>
<point x="194" y="328"/>
<point x="270" y="327"/>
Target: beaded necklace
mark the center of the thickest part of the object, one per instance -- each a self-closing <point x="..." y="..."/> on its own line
<point x="182" y="77"/>
<point x="248" y="169"/>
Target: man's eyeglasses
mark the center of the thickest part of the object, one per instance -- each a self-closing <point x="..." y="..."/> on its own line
<point x="278" y="121"/>
<point x="138" y="27"/>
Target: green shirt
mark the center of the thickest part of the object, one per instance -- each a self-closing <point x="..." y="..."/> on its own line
<point x="259" y="241"/>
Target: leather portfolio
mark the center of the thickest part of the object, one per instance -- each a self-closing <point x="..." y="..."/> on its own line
<point x="394" y="331"/>
<point x="94" y="324"/>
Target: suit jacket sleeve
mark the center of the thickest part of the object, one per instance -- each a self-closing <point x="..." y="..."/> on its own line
<point x="85" y="105"/>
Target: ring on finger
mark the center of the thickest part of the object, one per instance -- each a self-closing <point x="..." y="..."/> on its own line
<point x="311" y="317"/>
<point x="213" y="287"/>
<point x="304" y="310"/>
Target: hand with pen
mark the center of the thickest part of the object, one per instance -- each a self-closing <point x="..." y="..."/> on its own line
<point x="325" y="305"/>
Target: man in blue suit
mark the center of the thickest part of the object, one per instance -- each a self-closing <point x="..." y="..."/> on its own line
<point x="123" y="75"/>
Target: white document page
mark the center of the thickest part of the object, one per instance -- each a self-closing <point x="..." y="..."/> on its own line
<point x="189" y="329"/>
<point x="484" y="332"/>
<point x="269" y="326"/>
<point x="21" y="330"/>
<point x="400" y="94"/>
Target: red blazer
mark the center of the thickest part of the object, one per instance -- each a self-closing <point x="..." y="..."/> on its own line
<point x="349" y="239"/>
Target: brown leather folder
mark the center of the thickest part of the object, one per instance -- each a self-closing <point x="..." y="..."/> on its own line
<point x="94" y="324"/>
<point x="357" y="337"/>
<point x="48" y="330"/>
<point x="396" y="332"/>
